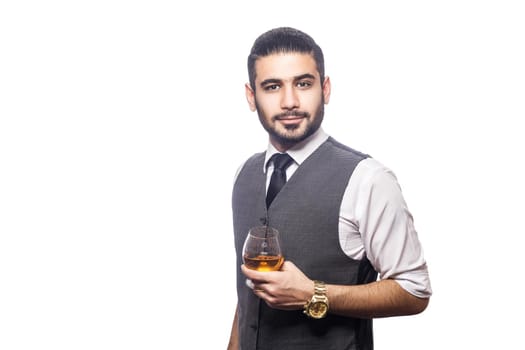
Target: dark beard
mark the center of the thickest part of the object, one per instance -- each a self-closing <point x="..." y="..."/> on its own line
<point x="290" y="140"/>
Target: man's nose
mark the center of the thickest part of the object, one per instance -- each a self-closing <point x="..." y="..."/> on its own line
<point x="289" y="98"/>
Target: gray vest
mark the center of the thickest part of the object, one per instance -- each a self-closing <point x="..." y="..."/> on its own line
<point x="306" y="213"/>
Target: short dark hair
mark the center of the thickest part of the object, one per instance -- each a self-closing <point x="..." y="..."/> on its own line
<point x="284" y="40"/>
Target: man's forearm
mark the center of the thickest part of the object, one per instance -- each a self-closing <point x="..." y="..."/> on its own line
<point x="383" y="298"/>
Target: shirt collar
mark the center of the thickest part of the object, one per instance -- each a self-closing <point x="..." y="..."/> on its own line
<point x="300" y="151"/>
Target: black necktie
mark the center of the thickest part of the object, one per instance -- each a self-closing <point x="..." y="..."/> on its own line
<point x="281" y="161"/>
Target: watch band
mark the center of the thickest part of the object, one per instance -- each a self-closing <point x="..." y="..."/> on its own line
<point x="319" y="288"/>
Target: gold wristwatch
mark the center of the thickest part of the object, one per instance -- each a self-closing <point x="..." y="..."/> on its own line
<point x="317" y="306"/>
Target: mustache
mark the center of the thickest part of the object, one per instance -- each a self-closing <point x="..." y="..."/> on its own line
<point x="291" y="114"/>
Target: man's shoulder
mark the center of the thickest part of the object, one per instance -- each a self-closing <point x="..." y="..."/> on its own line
<point x="255" y="158"/>
<point x="342" y="148"/>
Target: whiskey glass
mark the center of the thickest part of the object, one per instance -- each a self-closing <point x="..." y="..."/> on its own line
<point x="262" y="249"/>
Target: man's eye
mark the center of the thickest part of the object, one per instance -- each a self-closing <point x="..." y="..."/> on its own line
<point x="271" y="87"/>
<point x="304" y="84"/>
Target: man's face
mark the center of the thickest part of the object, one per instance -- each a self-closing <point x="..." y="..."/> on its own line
<point x="288" y="97"/>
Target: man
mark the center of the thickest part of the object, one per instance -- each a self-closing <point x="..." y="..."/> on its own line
<point x="341" y="215"/>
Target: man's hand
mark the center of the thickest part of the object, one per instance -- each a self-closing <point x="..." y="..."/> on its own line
<point x="286" y="289"/>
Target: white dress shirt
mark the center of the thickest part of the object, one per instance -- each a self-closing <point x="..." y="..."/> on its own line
<point x="374" y="220"/>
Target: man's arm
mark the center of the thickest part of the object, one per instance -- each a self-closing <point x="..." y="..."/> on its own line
<point x="383" y="298"/>
<point x="234" y="336"/>
<point x="290" y="289"/>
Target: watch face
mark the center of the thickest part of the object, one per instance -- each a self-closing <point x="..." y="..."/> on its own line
<point x="318" y="309"/>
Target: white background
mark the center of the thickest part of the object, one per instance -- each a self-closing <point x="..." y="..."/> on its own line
<point x="122" y="124"/>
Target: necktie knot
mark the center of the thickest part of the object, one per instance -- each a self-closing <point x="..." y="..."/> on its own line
<point x="281" y="161"/>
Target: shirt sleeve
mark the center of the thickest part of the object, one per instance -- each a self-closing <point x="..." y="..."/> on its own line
<point x="375" y="221"/>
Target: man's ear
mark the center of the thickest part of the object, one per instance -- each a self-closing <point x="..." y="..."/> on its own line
<point x="250" y="97"/>
<point x="327" y="89"/>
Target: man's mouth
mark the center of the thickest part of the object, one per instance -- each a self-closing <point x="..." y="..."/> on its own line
<point x="291" y="120"/>
<point x="293" y="116"/>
